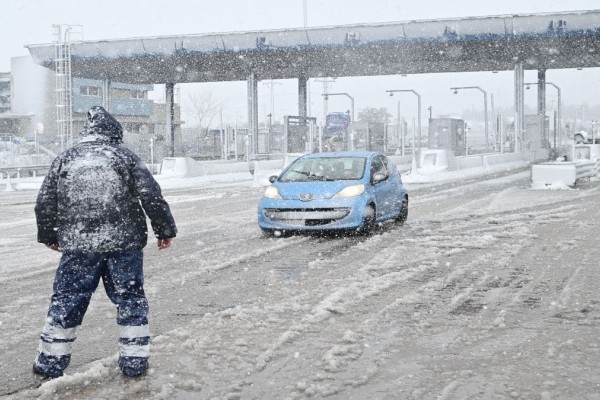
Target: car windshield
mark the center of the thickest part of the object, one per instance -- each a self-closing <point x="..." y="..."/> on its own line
<point x="325" y="169"/>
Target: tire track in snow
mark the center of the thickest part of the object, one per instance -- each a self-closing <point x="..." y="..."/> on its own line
<point x="354" y="309"/>
<point x="457" y="302"/>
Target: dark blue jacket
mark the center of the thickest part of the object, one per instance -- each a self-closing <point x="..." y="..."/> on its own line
<point x="95" y="194"/>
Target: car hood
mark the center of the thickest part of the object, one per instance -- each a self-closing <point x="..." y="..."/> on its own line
<point x="311" y="190"/>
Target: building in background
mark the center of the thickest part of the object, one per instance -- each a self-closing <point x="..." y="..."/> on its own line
<point x="11" y="122"/>
<point x="4" y="93"/>
<point x="28" y="109"/>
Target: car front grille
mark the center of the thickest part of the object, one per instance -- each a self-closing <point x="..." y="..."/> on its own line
<point x="306" y="216"/>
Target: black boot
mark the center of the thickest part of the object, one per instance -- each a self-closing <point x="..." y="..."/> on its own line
<point x="51" y="373"/>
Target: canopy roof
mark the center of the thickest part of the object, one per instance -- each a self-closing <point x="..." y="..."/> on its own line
<point x="492" y="43"/>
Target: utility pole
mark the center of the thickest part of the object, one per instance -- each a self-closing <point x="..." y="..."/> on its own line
<point x="271" y="85"/>
<point x="305" y="12"/>
<point x="325" y="81"/>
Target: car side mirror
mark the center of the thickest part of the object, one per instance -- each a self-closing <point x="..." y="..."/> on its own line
<point x="378" y="177"/>
<point x="272" y="178"/>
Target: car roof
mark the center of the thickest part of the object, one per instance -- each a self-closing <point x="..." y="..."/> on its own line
<point x="336" y="154"/>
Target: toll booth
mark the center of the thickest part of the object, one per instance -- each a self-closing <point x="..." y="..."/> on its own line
<point x="299" y="133"/>
<point x="447" y="134"/>
<point x="536" y="131"/>
<point x="366" y="136"/>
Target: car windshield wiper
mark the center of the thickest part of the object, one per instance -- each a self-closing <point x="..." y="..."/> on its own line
<point x="301" y="172"/>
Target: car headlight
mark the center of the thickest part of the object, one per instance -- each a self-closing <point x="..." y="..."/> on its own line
<point x="272" y="193"/>
<point x="350" y="191"/>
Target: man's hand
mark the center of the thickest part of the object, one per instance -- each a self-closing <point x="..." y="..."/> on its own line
<point x="164" y="243"/>
<point x="54" y="247"/>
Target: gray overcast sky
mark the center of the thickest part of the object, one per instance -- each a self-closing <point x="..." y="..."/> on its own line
<point x="25" y="22"/>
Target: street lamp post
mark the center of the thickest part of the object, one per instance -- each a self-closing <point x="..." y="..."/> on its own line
<point x="269" y="139"/>
<point x="326" y="95"/>
<point x="558" y="108"/>
<point x="391" y="92"/>
<point x="152" y="153"/>
<point x="343" y="94"/>
<point x="485" y="109"/>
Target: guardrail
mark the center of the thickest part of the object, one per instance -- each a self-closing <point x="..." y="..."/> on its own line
<point x="568" y="173"/>
<point x="18" y="171"/>
<point x="586" y="169"/>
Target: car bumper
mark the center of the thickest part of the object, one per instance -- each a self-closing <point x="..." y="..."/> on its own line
<point x="316" y="215"/>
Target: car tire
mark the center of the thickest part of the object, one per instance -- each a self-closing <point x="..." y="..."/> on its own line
<point x="403" y="215"/>
<point x="368" y="220"/>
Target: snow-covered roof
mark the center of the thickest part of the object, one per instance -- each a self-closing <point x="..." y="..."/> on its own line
<point x="491" y="43"/>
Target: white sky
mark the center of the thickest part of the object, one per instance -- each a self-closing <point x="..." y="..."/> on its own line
<point x="24" y="22"/>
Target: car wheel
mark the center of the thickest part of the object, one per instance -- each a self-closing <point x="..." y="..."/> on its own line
<point x="401" y="218"/>
<point x="368" y="220"/>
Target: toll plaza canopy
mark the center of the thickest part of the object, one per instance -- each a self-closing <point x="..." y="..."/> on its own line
<point x="491" y="43"/>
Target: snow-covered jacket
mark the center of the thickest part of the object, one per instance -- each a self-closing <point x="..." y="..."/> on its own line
<point x="95" y="194"/>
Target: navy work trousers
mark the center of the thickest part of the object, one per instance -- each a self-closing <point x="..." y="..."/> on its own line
<point x="77" y="278"/>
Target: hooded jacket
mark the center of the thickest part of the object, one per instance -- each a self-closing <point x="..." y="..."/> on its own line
<point x="95" y="194"/>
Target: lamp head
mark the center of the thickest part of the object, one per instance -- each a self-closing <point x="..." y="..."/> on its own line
<point x="455" y="91"/>
<point x="391" y="94"/>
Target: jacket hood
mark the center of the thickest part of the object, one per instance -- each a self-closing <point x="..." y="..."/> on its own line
<point x="101" y="125"/>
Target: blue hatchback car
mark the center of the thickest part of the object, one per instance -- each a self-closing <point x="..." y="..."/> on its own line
<point x="353" y="190"/>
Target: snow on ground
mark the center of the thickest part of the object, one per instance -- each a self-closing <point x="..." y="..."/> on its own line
<point x="432" y="174"/>
<point x="474" y="298"/>
<point x="422" y="176"/>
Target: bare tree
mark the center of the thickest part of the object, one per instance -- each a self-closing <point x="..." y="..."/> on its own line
<point x="203" y="108"/>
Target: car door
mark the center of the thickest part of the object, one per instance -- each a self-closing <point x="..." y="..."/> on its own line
<point x="395" y="185"/>
<point x="384" y="191"/>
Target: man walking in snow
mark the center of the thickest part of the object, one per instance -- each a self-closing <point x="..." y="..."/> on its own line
<point x="91" y="208"/>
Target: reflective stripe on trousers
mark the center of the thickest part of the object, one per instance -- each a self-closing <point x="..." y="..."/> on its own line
<point x="77" y="277"/>
<point x="56" y="341"/>
<point x="134" y="350"/>
<point x="134" y="341"/>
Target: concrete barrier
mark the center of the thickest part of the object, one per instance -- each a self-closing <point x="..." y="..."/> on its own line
<point x="435" y="160"/>
<point x="489" y="160"/>
<point x="432" y="160"/>
<point x="177" y="166"/>
<point x="188" y="167"/>
<point x="565" y="173"/>
<point x="220" y="168"/>
<point x="468" y="162"/>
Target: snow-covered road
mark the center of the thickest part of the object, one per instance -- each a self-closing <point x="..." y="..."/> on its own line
<point x="489" y="291"/>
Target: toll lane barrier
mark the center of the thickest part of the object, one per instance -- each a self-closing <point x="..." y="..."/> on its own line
<point x="567" y="173"/>
<point x="188" y="167"/>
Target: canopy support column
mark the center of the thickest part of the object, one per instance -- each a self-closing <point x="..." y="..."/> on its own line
<point x="170" y="116"/>
<point x="541" y="94"/>
<point x="541" y="104"/>
<point x="519" y="106"/>
<point x="106" y="94"/>
<point x="302" y="95"/>
<point x="252" y="114"/>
